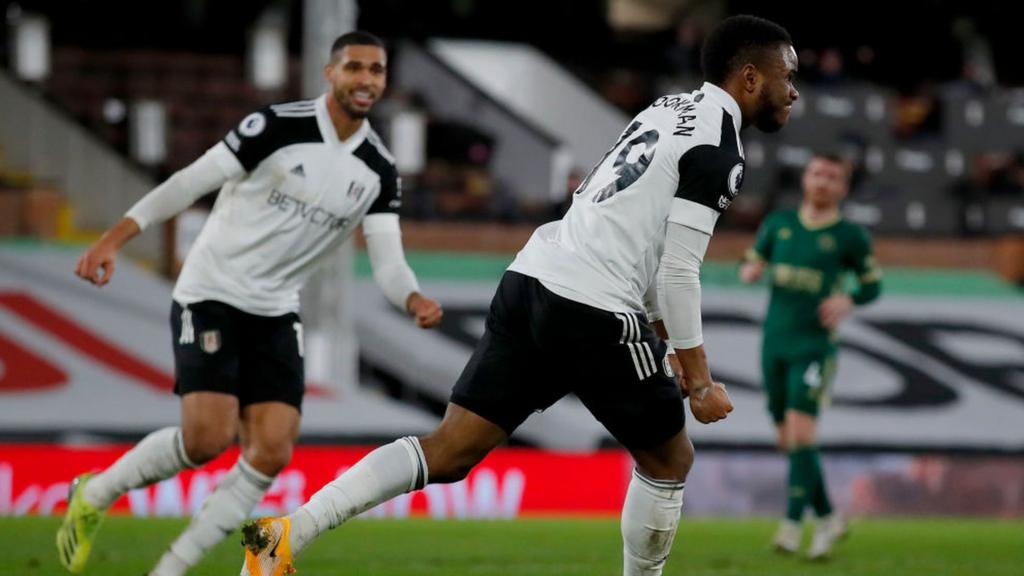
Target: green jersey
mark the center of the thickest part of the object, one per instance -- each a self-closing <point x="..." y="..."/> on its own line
<point x="806" y="265"/>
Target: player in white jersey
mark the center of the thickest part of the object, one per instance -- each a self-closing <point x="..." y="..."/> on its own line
<point x="295" y="180"/>
<point x="569" y="314"/>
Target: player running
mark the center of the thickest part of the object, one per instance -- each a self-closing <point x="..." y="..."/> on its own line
<point x="569" y="314"/>
<point x="808" y="253"/>
<point x="295" y="180"/>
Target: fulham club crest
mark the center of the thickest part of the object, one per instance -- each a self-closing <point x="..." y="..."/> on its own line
<point x="209" y="341"/>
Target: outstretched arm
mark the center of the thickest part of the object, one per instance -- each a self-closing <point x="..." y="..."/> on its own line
<point x="392" y="273"/>
<point x="177" y="193"/>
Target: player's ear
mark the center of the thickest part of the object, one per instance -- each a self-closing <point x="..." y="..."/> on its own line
<point x="752" y="78"/>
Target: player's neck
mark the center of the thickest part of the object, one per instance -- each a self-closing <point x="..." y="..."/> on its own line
<point x="734" y="88"/>
<point x="817" y="217"/>
<point x="344" y="124"/>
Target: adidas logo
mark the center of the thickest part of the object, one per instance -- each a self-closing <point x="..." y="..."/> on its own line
<point x="298" y="171"/>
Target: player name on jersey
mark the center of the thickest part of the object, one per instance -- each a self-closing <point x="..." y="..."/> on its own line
<point x="678" y="161"/>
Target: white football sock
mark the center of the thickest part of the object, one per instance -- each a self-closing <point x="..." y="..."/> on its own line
<point x="381" y="475"/>
<point x="157" y="457"/>
<point x="236" y="495"/>
<point x="649" y="519"/>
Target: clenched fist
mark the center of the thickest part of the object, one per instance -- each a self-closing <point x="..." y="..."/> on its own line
<point x="710" y="403"/>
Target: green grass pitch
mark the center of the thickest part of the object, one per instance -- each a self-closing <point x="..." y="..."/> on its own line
<point x="537" y="547"/>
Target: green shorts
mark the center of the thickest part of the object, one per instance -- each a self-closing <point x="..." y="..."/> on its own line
<point x="800" y="383"/>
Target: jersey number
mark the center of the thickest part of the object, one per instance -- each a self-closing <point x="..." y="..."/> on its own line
<point x="632" y="161"/>
<point x="812" y="376"/>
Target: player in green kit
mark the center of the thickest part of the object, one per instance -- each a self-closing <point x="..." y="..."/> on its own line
<point x="808" y="254"/>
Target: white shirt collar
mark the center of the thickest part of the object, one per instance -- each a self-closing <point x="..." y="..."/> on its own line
<point x="330" y="134"/>
<point x="725" y="100"/>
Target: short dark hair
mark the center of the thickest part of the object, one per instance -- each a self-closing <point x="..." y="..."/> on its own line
<point x="833" y="156"/>
<point x="356" y="38"/>
<point x="830" y="156"/>
<point x="737" y="41"/>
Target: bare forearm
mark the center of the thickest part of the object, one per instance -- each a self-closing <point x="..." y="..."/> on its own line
<point x="695" y="365"/>
<point x="119" y="234"/>
<point x="96" y="265"/>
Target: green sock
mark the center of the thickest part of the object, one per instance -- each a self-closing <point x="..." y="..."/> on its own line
<point x="801" y="481"/>
<point x="819" y="498"/>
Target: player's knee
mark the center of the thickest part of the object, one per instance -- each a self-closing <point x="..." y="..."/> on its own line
<point x="451" y="467"/>
<point x="449" y="462"/>
<point x="800" y="439"/>
<point x="669" y="462"/>
<point x="800" y="429"/>
<point x="203" y="444"/>
<point x="269" y="458"/>
<point x="686" y="456"/>
<point x="450" y="472"/>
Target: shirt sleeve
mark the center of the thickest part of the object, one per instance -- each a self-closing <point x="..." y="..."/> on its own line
<point x="390" y="199"/>
<point x="387" y="258"/>
<point x="679" y="285"/>
<point x="709" y="180"/>
<point x="763" y="243"/>
<point x="254" y="139"/>
<point x="208" y="173"/>
<point x="861" y="260"/>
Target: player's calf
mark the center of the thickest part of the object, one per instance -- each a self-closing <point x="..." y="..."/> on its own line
<point x="650" y="516"/>
<point x="654" y="500"/>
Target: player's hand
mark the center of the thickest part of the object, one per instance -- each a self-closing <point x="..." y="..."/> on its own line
<point x="710" y="403"/>
<point x="426" y="311"/>
<point x="96" y="264"/>
<point x="834" y="310"/>
<point x="750" y="272"/>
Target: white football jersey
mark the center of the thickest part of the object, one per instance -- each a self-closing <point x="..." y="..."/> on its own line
<point x="295" y="194"/>
<point x="681" y="161"/>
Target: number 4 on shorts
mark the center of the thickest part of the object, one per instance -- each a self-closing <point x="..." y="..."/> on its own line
<point x="812" y="376"/>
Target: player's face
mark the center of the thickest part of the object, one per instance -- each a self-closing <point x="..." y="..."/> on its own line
<point x="358" y="76"/>
<point x="777" y="91"/>
<point x="825" y="183"/>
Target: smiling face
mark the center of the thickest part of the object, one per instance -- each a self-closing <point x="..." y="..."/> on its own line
<point x="775" y="91"/>
<point x="358" y="77"/>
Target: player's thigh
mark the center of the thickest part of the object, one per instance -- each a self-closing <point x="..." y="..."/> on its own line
<point x="267" y="432"/>
<point x="808" y="380"/>
<point x="509" y="377"/>
<point x="209" y="423"/>
<point x="625" y="386"/>
<point x="207" y="347"/>
<point x="505" y="381"/>
<point x="773" y="377"/>
<point x="271" y="366"/>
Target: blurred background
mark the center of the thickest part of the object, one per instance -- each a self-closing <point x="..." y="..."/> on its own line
<point x="495" y="111"/>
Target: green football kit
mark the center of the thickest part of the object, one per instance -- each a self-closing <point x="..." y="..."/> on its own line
<point x="807" y="264"/>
